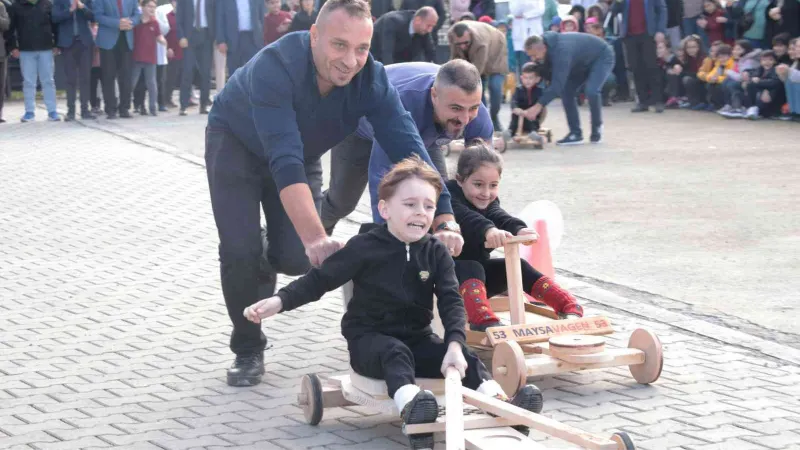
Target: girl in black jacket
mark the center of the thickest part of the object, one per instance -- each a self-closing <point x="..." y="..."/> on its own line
<point x="396" y="268"/>
<point x="483" y="222"/>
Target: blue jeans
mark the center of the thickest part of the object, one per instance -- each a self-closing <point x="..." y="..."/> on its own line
<point x="38" y="65"/>
<point x="734" y="93"/>
<point x="793" y="96"/>
<point x="592" y="88"/>
<point x="690" y="27"/>
<point x="495" y="84"/>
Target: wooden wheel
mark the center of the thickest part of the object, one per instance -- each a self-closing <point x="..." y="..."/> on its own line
<point x="623" y="441"/>
<point x="646" y="341"/>
<point x="579" y="349"/>
<point x="508" y="367"/>
<point x="311" y="392"/>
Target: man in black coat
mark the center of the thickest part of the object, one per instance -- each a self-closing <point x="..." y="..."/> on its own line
<point x="196" y="34"/>
<point x="438" y="5"/>
<point x="400" y="36"/>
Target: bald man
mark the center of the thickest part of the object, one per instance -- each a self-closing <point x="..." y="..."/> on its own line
<point x="404" y="36"/>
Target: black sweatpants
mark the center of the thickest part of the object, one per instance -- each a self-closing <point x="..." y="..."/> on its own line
<point x="695" y="89"/>
<point x="241" y="186"/>
<point x="493" y="274"/>
<point x="528" y="126"/>
<point x="398" y="362"/>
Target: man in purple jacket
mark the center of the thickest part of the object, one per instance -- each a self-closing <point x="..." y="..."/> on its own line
<point x="445" y="104"/>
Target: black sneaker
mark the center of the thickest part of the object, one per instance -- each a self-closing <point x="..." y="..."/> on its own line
<point x="571" y="139"/>
<point x="597" y="135"/>
<point x="421" y="409"/>
<point x="639" y="108"/>
<point x="246" y="370"/>
<point x="530" y="399"/>
<point x="659" y="107"/>
<point x="69" y="117"/>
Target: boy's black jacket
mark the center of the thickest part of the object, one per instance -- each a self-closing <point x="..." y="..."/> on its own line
<point x="525" y="99"/>
<point x="768" y="79"/>
<point x="393" y="286"/>
<point x="475" y="223"/>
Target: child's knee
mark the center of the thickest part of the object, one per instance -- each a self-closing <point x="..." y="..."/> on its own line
<point x="467" y="270"/>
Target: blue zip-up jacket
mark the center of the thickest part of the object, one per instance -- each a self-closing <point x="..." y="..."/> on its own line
<point x="273" y="106"/>
<point x="413" y="82"/>
<point x="569" y="55"/>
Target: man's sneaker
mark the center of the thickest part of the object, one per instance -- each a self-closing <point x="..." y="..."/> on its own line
<point x="246" y="370"/>
<point x="736" y="113"/>
<point x="53" y="117"/>
<point x="421" y="409"/>
<point x="752" y="113"/>
<point x="28" y="117"/>
<point x="571" y="139"/>
<point x="725" y="110"/>
<point x="639" y="108"/>
<point x="70" y="116"/>
<point x="88" y="115"/>
<point x="530" y="399"/>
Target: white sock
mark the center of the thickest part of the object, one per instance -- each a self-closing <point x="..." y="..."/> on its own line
<point x="404" y="395"/>
<point x="491" y="388"/>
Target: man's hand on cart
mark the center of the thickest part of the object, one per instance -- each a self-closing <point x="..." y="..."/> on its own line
<point x="455" y="358"/>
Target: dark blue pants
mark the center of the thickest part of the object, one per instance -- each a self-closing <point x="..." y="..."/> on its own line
<point x="246" y="49"/>
<point x="197" y="56"/>
<point x="592" y="84"/>
<point x="78" y="68"/>
<point x="621" y="69"/>
<point x="241" y="186"/>
<point x="494" y="83"/>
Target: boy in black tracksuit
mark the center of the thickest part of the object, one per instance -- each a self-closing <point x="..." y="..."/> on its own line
<point x="387" y="322"/>
<point x="525" y="96"/>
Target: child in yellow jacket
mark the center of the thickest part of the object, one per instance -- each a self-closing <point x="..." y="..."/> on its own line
<point x="723" y="62"/>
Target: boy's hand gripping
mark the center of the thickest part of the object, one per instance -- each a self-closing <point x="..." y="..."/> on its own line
<point x="263" y="309"/>
<point x="496" y="237"/>
<point x="454" y="358"/>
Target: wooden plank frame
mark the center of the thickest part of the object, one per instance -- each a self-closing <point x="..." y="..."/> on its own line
<point x="534" y="333"/>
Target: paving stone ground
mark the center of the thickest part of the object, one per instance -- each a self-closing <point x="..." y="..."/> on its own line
<point x="113" y="331"/>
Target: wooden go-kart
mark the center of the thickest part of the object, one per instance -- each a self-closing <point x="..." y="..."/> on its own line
<point x="502" y="142"/>
<point x="536" y="343"/>
<point x="483" y="423"/>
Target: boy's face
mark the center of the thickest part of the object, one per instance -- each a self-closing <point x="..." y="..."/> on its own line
<point x="570" y="27"/>
<point x="738" y="51"/>
<point x="779" y="49"/>
<point x="767" y="62"/>
<point x="530" y="80"/>
<point x="709" y="7"/>
<point x="149" y="8"/>
<point x="661" y="50"/>
<point x="273" y="6"/>
<point x="409" y="212"/>
<point x="713" y="51"/>
<point x="722" y="59"/>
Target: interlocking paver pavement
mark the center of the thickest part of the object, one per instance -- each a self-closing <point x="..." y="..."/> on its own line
<point x="113" y="331"/>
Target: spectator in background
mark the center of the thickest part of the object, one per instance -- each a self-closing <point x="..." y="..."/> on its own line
<point x="174" y="57"/>
<point x="458" y="8"/>
<point x="595" y="27"/>
<point x="240" y="30"/>
<point x="555" y="24"/>
<point x="438" y="5"/>
<point x="784" y="17"/>
<point x="757" y="29"/>
<point x="716" y="77"/>
<point x="5" y="23"/>
<point x="31" y="38"/>
<point x="692" y="12"/>
<point x="146" y="36"/>
<point x="790" y="75"/>
<point x="670" y="67"/>
<point x="643" y="25"/>
<point x="765" y="92"/>
<point x="116" y="20"/>
<point x="747" y="59"/>
<point x="482" y="8"/>
<point x="714" y="22"/>
<point x="304" y="18"/>
<point x="77" y="45"/>
<point x="403" y="36"/>
<point x="780" y="45"/>
<point x="276" y="22"/>
<point x="162" y="56"/>
<point x="569" y="24"/>
<point x="674" y="21"/>
<point x="290" y="6"/>
<point x="96" y="76"/>
<point x="696" y="87"/>
<point x="579" y="13"/>
<point x="550" y="13"/>
<point x="485" y="47"/>
<point x="527" y="22"/>
<point x="196" y="39"/>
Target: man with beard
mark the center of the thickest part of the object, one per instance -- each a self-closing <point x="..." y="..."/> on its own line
<point x="445" y="104"/>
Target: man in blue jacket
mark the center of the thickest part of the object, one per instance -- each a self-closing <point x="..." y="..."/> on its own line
<point x="240" y="30"/>
<point x="196" y="28"/>
<point x="77" y="45"/>
<point x="116" y="19"/>
<point x="445" y="104"/>
<point x="644" y="23"/>
<point x="575" y="59"/>
<point x="267" y="129"/>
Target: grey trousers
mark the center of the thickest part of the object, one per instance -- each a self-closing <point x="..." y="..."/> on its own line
<point x="350" y="176"/>
<point x="149" y="72"/>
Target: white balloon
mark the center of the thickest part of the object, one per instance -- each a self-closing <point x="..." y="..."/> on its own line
<point x="551" y="214"/>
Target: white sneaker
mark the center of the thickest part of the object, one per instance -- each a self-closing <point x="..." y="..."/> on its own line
<point x="725" y="110"/>
<point x="752" y="113"/>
